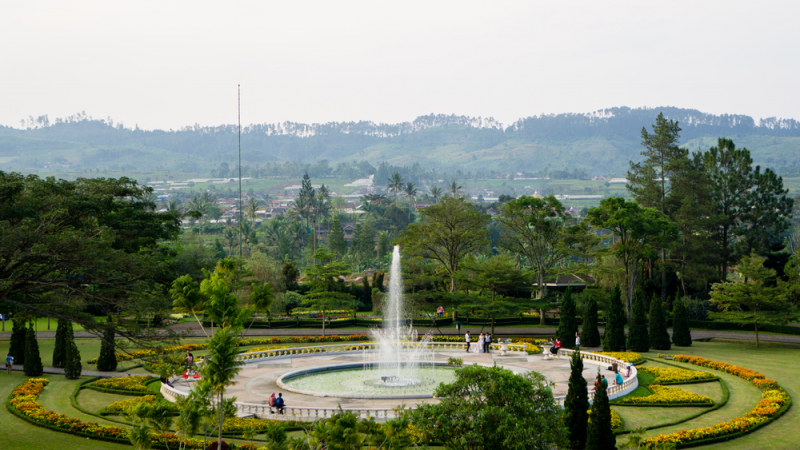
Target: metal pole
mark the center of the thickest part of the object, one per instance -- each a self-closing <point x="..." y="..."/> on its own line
<point x="240" y="168"/>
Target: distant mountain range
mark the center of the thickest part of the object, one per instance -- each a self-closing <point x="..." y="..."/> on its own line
<point x="601" y="142"/>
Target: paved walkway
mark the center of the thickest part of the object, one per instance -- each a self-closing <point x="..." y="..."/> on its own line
<point x="188" y="329"/>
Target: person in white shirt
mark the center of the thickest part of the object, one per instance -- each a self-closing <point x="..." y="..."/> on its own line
<point x="481" y="341"/>
<point x="466" y="337"/>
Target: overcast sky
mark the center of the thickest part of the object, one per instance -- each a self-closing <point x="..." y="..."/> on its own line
<point x="169" y="64"/>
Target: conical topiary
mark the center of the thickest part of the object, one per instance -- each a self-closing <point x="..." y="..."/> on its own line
<point x="576" y="405"/>
<point x="73" y="366"/>
<point x="16" y="347"/>
<point x="614" y="334"/>
<point x="60" y="349"/>
<point x="33" y="361"/>
<point x="659" y="337"/>
<point x="600" y="435"/>
<point x="568" y="322"/>
<point x="681" y="335"/>
<point x="590" y="335"/>
<point x="638" y="336"/>
<point x="107" y="362"/>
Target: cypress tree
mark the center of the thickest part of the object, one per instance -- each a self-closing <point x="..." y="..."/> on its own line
<point x="107" y="362"/>
<point x="576" y="405"/>
<point x="33" y="361"/>
<point x="638" y="338"/>
<point x="600" y="435"/>
<point x="60" y="349"/>
<point x="567" y="322"/>
<point x="366" y="293"/>
<point x="590" y="336"/>
<point x="614" y="334"/>
<point x="17" y="345"/>
<point x="73" y="366"/>
<point x="681" y="335"/>
<point x="659" y="337"/>
<point x="336" y="242"/>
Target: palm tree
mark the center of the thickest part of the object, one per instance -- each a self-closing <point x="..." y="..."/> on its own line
<point x="173" y="206"/>
<point x="411" y="191"/>
<point x="436" y="193"/>
<point x="251" y="208"/>
<point x="454" y="189"/>
<point x="395" y="185"/>
<point x="197" y="205"/>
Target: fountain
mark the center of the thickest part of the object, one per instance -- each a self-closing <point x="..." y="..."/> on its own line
<point x="402" y="367"/>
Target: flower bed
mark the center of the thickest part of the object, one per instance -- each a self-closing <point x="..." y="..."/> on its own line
<point x="136" y="354"/>
<point x="666" y="396"/>
<point x="133" y="384"/>
<point x="677" y="376"/>
<point x="22" y="403"/>
<point x="616" y="419"/>
<point x="122" y="405"/>
<point x="628" y="357"/>
<point x="774" y="402"/>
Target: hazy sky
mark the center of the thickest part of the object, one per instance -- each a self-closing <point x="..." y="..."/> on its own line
<point x="169" y="64"/>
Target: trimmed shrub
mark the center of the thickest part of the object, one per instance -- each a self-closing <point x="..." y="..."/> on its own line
<point x="73" y="366"/>
<point x="681" y="335"/>
<point x="17" y="345"/>
<point x="33" y="361"/>
<point x="638" y="338"/>
<point x="567" y="324"/>
<point x="590" y="336"/>
<point x="60" y="349"/>
<point x="576" y="405"/>
<point x="107" y="362"/>
<point x="659" y="337"/>
<point x="600" y="435"/>
<point x="614" y="335"/>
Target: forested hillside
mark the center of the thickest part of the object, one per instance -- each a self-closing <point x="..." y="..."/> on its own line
<point x="601" y="142"/>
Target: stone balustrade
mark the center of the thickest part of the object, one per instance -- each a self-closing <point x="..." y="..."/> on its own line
<point x="615" y="391"/>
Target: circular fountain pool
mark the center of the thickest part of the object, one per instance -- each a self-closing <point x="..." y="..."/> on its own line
<point x="366" y="381"/>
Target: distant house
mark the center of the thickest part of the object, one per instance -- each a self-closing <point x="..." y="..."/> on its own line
<point x="574" y="281"/>
<point x="349" y="229"/>
<point x="420" y="205"/>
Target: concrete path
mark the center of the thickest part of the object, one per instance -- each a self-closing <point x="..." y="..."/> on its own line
<point x="187" y="328"/>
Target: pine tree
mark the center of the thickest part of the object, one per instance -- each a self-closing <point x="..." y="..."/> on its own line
<point x="336" y="242"/>
<point x="366" y="298"/>
<point x="659" y="337"/>
<point x="614" y="335"/>
<point x="33" y="361"/>
<point x="567" y="323"/>
<point x="681" y="335"/>
<point x="107" y="362"/>
<point x="73" y="366"/>
<point x="60" y="349"/>
<point x="576" y="405"/>
<point x="17" y="345"/>
<point x="638" y="336"/>
<point x="590" y="336"/>
<point x="600" y="435"/>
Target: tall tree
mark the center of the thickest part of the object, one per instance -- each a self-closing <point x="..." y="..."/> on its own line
<point x="32" y="366"/>
<point x="568" y="320"/>
<point x="336" y="241"/>
<point x="395" y="185"/>
<point x="187" y="299"/>
<point x="768" y="215"/>
<point x="411" y="191"/>
<point x="648" y="180"/>
<point x="220" y="369"/>
<point x="325" y="292"/>
<point x="639" y="234"/>
<point x="590" y="335"/>
<point x="72" y="366"/>
<point x="576" y="405"/>
<point x="16" y="346"/>
<point x="436" y="193"/>
<point x="681" y="335"/>
<point x="449" y="231"/>
<point x="754" y="299"/>
<point x="614" y="334"/>
<point x="535" y="228"/>
<point x="659" y="336"/>
<point x="107" y="362"/>
<point x="600" y="435"/>
<point x="638" y="334"/>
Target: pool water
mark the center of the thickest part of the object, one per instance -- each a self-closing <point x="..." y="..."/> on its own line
<point x="368" y="382"/>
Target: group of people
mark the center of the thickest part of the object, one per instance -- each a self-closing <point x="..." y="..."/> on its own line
<point x="616" y="367"/>
<point x="277" y="403"/>
<point x="483" y="343"/>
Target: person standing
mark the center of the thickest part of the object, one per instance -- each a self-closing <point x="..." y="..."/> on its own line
<point x="486" y="342"/>
<point x="9" y="363"/>
<point x="481" y="342"/>
<point x="577" y="342"/>
<point x="466" y="338"/>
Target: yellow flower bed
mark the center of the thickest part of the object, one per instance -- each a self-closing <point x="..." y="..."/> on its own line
<point x="132" y="384"/>
<point x="670" y="375"/>
<point x="122" y="405"/>
<point x="628" y="357"/>
<point x="773" y="398"/>
<point x="616" y="419"/>
<point x="663" y="395"/>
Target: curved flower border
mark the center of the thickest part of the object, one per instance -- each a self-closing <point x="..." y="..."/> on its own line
<point x="774" y="402"/>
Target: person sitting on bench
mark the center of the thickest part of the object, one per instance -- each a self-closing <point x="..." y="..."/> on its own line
<point x="280" y="404"/>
